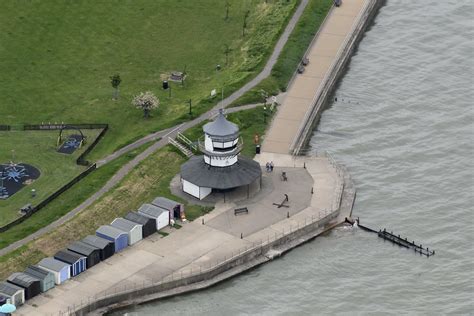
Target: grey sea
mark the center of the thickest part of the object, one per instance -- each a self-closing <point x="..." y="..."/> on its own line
<point x="403" y="125"/>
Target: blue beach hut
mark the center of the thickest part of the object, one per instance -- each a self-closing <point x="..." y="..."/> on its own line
<point x="78" y="262"/>
<point x="119" y="237"/>
<point x="61" y="270"/>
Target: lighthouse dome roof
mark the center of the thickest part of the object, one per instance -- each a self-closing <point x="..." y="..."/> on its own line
<point x="221" y="127"/>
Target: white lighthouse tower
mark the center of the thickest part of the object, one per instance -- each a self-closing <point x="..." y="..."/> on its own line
<point x="221" y="167"/>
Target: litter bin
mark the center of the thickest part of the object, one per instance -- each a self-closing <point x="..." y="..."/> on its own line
<point x="165" y="84"/>
<point x="257" y="149"/>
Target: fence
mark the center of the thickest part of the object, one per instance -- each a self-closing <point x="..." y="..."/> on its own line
<point x="48" y="199"/>
<point x="80" y="161"/>
<point x="185" y="277"/>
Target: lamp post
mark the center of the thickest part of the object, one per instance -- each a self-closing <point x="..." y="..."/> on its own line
<point x="190" y="107"/>
<point x="264" y="114"/>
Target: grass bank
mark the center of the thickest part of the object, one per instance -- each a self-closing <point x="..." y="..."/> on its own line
<point x="292" y="53"/>
<point x="56" y="58"/>
<point x="149" y="179"/>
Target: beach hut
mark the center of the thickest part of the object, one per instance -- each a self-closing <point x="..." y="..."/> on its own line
<point x="90" y="252"/>
<point x="161" y="216"/>
<point x="31" y="284"/>
<point x="148" y="224"/>
<point x="14" y="293"/>
<point x="3" y="300"/>
<point x="61" y="270"/>
<point x="78" y="262"/>
<point x="119" y="237"/>
<point x="46" y="277"/>
<point x="134" y="230"/>
<point x="106" y="247"/>
<point x="176" y="209"/>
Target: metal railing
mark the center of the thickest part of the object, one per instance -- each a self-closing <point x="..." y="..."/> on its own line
<point x="235" y="151"/>
<point x="186" y="141"/>
<point x="201" y="273"/>
<point x="323" y="84"/>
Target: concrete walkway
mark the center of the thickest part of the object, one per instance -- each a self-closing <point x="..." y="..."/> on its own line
<point x="171" y="132"/>
<point x="305" y="89"/>
<point x="196" y="246"/>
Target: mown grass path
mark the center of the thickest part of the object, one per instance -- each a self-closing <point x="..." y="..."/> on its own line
<point x="164" y="134"/>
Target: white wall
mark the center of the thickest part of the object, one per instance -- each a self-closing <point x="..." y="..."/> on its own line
<point x="190" y="188"/>
<point x="194" y="190"/>
<point x="135" y="235"/>
<point x="163" y="220"/>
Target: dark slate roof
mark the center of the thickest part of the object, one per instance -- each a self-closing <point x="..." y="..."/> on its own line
<point x="110" y="231"/>
<point x="68" y="256"/>
<point x="243" y="172"/>
<point x="151" y="210"/>
<point x="137" y="218"/>
<point x="22" y="279"/>
<point x="37" y="272"/>
<point x="53" y="264"/>
<point x="9" y="289"/>
<point x="124" y="224"/>
<point x="82" y="248"/>
<point x="165" y="203"/>
<point x="221" y="127"/>
<point x="96" y="241"/>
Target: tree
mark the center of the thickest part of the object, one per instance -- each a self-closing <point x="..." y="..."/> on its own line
<point x="264" y="95"/>
<point x="146" y="101"/>
<point x="115" y="81"/>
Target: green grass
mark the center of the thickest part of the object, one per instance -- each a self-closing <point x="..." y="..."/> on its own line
<point x="292" y="53"/>
<point x="149" y="179"/>
<point x="56" y="58"/>
<point x="38" y="148"/>
<point x="68" y="200"/>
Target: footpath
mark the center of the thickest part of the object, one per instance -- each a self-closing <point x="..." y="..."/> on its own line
<point x="313" y="85"/>
<point x="162" y="136"/>
<point x="197" y="248"/>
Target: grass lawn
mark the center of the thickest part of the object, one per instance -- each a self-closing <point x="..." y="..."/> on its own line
<point x="68" y="200"/>
<point x="149" y="179"/>
<point x="38" y="148"/>
<point x="292" y="53"/>
<point x="56" y="58"/>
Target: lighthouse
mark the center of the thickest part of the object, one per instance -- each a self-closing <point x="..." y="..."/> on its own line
<point x="221" y="167"/>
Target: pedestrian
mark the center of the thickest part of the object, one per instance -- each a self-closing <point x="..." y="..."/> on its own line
<point x="267" y="166"/>
<point x="271" y="166"/>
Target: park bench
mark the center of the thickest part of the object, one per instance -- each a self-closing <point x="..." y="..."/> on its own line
<point x="241" y="210"/>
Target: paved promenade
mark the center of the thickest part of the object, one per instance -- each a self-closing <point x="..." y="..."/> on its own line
<point x="196" y="246"/>
<point x="306" y="88"/>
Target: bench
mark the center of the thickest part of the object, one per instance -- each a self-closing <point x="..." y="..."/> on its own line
<point x="241" y="210"/>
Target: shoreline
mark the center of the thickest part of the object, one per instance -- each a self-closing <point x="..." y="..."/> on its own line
<point x="264" y="253"/>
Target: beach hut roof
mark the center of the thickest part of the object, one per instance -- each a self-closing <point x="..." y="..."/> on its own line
<point x="68" y="256"/>
<point x="82" y="248"/>
<point x="53" y="264"/>
<point x="110" y="231"/>
<point x="124" y="224"/>
<point x="151" y="210"/>
<point x="9" y="289"/>
<point x="22" y="279"/>
<point x="37" y="272"/>
<point x="165" y="203"/>
<point x="96" y="241"/>
<point x="137" y="218"/>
